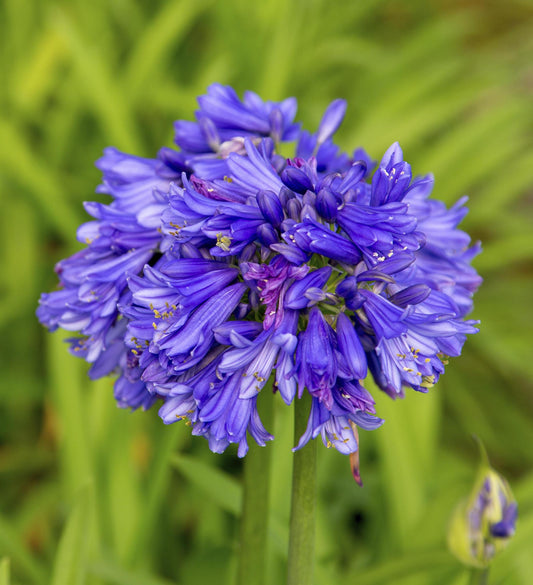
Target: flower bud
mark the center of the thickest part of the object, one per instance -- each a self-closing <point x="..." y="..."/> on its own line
<point x="296" y="180"/>
<point x="482" y="525"/>
<point x="267" y="234"/>
<point x="270" y="207"/>
<point x="326" y="204"/>
<point x="331" y="120"/>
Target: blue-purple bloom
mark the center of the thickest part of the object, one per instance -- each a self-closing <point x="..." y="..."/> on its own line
<point x="222" y="265"/>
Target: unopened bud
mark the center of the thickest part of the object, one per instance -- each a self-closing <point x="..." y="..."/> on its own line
<point x="482" y="525"/>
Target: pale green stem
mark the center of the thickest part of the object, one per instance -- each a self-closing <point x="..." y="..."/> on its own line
<point x="303" y="502"/>
<point x="479" y="576"/>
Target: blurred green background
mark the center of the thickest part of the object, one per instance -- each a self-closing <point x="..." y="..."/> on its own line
<point x="93" y="494"/>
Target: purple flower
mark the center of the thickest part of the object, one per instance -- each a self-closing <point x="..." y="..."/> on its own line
<point x="121" y="240"/>
<point x="271" y="282"/>
<point x="222" y="266"/>
<point x="132" y="181"/>
<point x="315" y="358"/>
<point x="224" y="121"/>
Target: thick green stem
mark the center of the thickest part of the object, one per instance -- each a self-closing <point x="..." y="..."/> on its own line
<point x="479" y="576"/>
<point x="302" y="528"/>
<point x="255" y="503"/>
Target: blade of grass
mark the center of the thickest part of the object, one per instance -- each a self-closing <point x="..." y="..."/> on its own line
<point x="21" y="259"/>
<point x="277" y="67"/>
<point x="124" y="458"/>
<point x="219" y="486"/>
<point x="153" y="47"/>
<point x="109" y="103"/>
<point x="12" y="546"/>
<point x="113" y="574"/>
<point x="464" y="138"/>
<point x="65" y="373"/>
<point x="37" y="77"/>
<point x="4" y="572"/>
<point x="69" y="565"/>
<point x="226" y="492"/>
<point x="503" y="252"/>
<point x="159" y="474"/>
<point x="24" y="167"/>
<point x="406" y="444"/>
<point x="504" y="189"/>
<point x="401" y="567"/>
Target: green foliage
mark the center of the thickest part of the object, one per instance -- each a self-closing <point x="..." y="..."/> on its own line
<point x="97" y="496"/>
<point x="4" y="572"/>
<point x="70" y="560"/>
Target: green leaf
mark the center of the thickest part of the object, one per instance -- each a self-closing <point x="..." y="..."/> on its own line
<point x="407" y="449"/>
<point x="153" y="47"/>
<point x="113" y="574"/>
<point x="216" y="484"/>
<point x="69" y="564"/>
<point x="12" y="545"/>
<point x="25" y="169"/>
<point x="4" y="572"/>
<point x="226" y="492"/>
<point x="159" y="475"/>
<point x="65" y="384"/>
<point x="124" y="498"/>
<point x="99" y="83"/>
<point x="405" y="566"/>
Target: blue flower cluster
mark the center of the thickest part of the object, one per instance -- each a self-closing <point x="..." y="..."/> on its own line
<point x="221" y="265"/>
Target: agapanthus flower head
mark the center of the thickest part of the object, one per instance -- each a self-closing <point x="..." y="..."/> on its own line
<point x="223" y="265"/>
